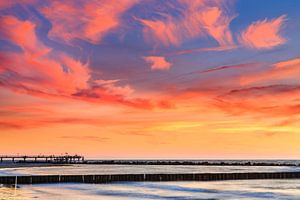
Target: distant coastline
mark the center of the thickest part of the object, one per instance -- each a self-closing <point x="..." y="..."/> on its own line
<point x="296" y="163"/>
<point x="198" y="162"/>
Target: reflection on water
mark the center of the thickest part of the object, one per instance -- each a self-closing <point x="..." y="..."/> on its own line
<point x="9" y="192"/>
<point x="139" y="169"/>
<point x="246" y="189"/>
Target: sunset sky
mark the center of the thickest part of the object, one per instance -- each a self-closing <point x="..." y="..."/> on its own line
<point x="178" y="79"/>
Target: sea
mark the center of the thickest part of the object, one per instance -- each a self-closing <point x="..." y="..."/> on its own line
<point x="185" y="190"/>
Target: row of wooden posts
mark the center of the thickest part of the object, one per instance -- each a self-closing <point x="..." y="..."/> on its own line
<point x="145" y="177"/>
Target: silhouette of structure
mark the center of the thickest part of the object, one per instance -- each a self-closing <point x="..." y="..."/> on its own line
<point x="43" y="158"/>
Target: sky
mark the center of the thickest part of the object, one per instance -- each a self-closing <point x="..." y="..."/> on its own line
<point x="147" y="79"/>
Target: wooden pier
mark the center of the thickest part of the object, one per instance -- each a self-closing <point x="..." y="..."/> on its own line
<point x="145" y="177"/>
<point x="43" y="158"/>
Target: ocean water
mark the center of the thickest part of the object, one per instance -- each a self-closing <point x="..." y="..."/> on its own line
<point x="139" y="169"/>
<point x="223" y="190"/>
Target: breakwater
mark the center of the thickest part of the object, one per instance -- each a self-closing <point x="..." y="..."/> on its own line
<point x="145" y="177"/>
<point x="197" y="162"/>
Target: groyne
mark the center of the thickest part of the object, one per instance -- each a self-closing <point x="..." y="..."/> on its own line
<point x="39" y="179"/>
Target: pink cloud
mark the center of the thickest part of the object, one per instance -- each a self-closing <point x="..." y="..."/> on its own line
<point x="90" y="21"/>
<point x="198" y="19"/>
<point x="263" y="34"/>
<point x="11" y="29"/>
<point x="216" y="24"/>
<point x="158" y="62"/>
<point x="41" y="71"/>
<point x="38" y="67"/>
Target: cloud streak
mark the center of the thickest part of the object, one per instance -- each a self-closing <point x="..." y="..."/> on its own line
<point x="229" y="67"/>
<point x="209" y="49"/>
<point x="275" y="101"/>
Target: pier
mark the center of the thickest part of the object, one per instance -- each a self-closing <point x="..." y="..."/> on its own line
<point x="37" y="179"/>
<point x="43" y="158"/>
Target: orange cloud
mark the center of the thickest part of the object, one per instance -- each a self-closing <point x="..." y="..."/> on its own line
<point x="197" y="19"/>
<point x="287" y="70"/>
<point x="288" y="63"/>
<point x="263" y="91"/>
<point x="263" y="34"/>
<point x="87" y="20"/>
<point x="271" y="100"/>
<point x="158" y="62"/>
